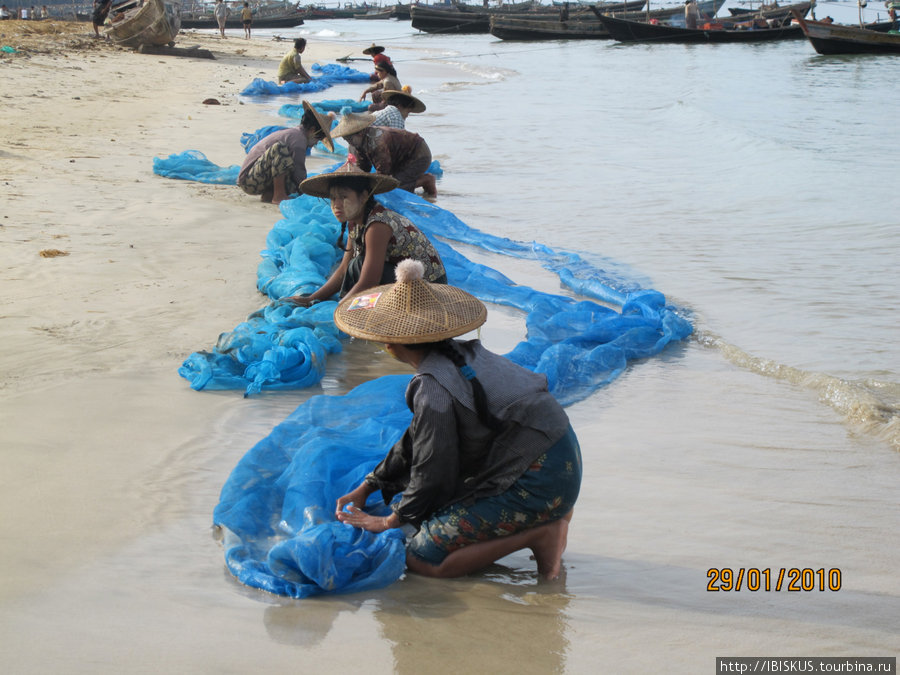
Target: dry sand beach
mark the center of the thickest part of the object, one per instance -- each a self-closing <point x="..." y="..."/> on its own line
<point x="111" y="464"/>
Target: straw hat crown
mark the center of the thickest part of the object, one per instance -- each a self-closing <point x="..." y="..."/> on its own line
<point x="352" y="122"/>
<point x="374" y="49"/>
<point x="410" y="311"/>
<point x="324" y="123"/>
<point x="320" y="185"/>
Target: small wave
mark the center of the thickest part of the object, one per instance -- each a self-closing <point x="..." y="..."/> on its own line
<point x="869" y="406"/>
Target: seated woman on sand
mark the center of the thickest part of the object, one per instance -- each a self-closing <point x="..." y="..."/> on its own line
<point x="377" y="238"/>
<point x="489" y="464"/>
<point x="393" y="152"/>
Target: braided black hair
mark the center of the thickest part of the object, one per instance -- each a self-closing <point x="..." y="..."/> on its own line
<point x="450" y="349"/>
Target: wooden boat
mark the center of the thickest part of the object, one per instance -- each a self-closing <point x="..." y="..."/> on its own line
<point x="527" y="28"/>
<point x="459" y="18"/>
<point x="272" y="15"/>
<point x="387" y="13"/>
<point x="773" y="15"/>
<point x="833" y="38"/>
<point x="145" y="22"/>
<point x="673" y="16"/>
<point x="624" y="30"/>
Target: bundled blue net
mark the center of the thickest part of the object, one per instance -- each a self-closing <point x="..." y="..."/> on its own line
<point x="324" y="77"/>
<point x="276" y="509"/>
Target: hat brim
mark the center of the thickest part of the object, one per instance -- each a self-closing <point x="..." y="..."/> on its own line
<point x="374" y="49"/>
<point x="416" y="106"/>
<point x="324" y="124"/>
<point x="321" y="184"/>
<point x="427" y="313"/>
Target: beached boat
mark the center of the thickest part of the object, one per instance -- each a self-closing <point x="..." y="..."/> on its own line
<point x="833" y="38"/>
<point x="624" y="30"/>
<point x="527" y="28"/>
<point x="271" y="15"/>
<point x="145" y="22"/>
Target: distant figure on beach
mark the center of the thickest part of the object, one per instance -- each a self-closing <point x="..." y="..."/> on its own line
<point x="101" y="11"/>
<point x="4" y="13"/>
<point x="399" y="105"/>
<point x="247" y="19"/>
<point x="387" y="79"/>
<point x="221" y="14"/>
<point x="393" y="152"/>
<point x="291" y="68"/>
<point x="24" y="14"/>
<point x="45" y="13"/>
<point x="276" y="165"/>
<point x="691" y="14"/>
<point x="378" y="239"/>
<point x="489" y="464"/>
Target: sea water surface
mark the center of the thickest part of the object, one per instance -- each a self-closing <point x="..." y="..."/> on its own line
<point x="753" y="185"/>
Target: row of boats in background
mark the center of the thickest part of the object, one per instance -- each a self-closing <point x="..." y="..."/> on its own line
<point x="156" y="22"/>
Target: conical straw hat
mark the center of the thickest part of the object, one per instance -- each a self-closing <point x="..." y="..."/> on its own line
<point x="374" y="49"/>
<point x="324" y="123"/>
<point x="410" y="311"/>
<point x="352" y="122"/>
<point x="320" y="185"/>
<point x="416" y="105"/>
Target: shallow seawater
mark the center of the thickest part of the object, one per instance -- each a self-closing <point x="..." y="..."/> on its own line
<point x="752" y="185"/>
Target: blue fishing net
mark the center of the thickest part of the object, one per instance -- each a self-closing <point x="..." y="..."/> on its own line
<point x="328" y="75"/>
<point x="276" y="509"/>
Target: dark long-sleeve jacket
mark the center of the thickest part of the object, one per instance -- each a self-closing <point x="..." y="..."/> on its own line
<point x="447" y="455"/>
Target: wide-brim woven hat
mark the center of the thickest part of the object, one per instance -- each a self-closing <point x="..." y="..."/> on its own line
<point x="410" y="311"/>
<point x="324" y="123"/>
<point x="320" y="185"/>
<point x="352" y="122"/>
<point x="408" y="99"/>
<point x="374" y="49"/>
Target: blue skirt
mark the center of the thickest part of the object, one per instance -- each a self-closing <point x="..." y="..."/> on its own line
<point x="545" y="492"/>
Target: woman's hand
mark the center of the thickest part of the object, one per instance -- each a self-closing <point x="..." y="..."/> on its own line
<point x="359" y="518"/>
<point x="355" y="498"/>
<point x="300" y="300"/>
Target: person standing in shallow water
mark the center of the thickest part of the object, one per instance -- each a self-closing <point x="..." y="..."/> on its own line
<point x="489" y="464"/>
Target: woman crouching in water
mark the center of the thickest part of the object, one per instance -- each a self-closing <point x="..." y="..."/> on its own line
<point x="377" y="238"/>
<point x="489" y="464"/>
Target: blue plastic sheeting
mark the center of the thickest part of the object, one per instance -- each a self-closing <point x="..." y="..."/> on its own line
<point x="329" y="75"/>
<point x="277" y="506"/>
<point x="193" y="165"/>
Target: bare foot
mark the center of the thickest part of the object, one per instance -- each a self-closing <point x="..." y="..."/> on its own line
<point x="266" y="196"/>
<point x="427" y="183"/>
<point x="548" y="546"/>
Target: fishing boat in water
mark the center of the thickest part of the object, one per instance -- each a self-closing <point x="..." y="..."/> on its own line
<point x="271" y="15"/>
<point x="528" y="28"/>
<point x="833" y="38"/>
<point x="673" y="15"/>
<point x="625" y="30"/>
<point x="151" y="23"/>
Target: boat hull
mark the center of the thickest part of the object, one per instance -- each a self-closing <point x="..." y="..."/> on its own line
<point x="155" y="23"/>
<point x="624" y="30"/>
<point x="832" y="38"/>
<point x="516" y="28"/>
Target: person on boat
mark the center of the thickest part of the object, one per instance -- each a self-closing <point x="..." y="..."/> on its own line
<point x="276" y="165"/>
<point x="387" y="79"/>
<point x="399" y="105"/>
<point x="377" y="238"/>
<point x="691" y="14"/>
<point x="247" y="19"/>
<point x="489" y="464"/>
<point x="393" y="152"/>
<point x="221" y="13"/>
<point x="98" y="17"/>
<point x="291" y="69"/>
